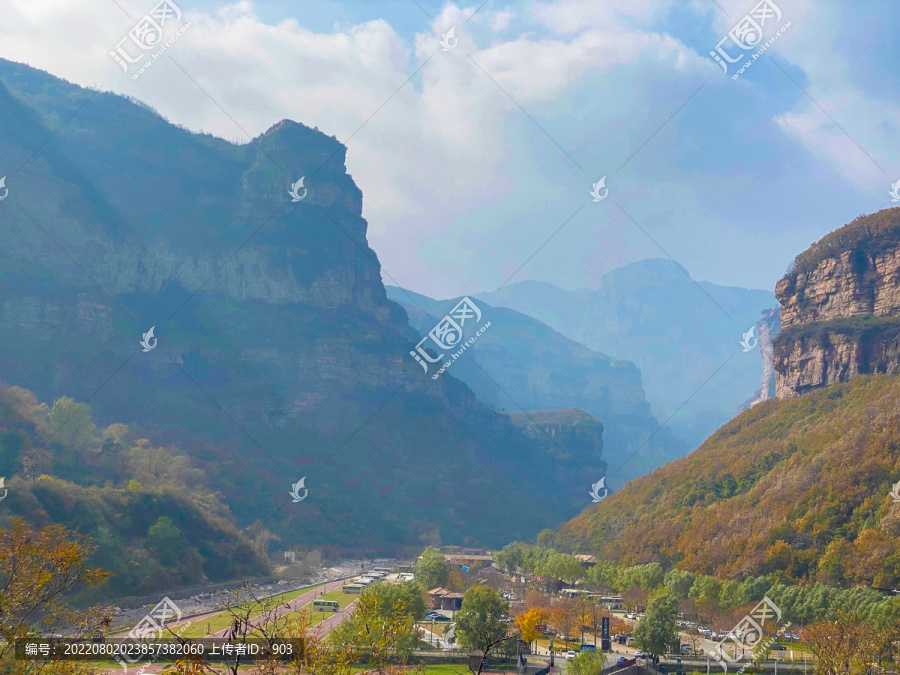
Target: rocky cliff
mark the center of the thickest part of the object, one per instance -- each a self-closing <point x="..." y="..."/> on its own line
<point x="840" y="307"/>
<point x="273" y="332"/>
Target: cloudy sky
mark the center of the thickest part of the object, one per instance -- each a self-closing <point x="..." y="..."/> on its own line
<point x="471" y="158"/>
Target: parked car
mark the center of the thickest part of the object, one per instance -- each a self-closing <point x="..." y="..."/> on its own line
<point x="777" y="647"/>
<point x="623" y="661"/>
<point x="441" y="617"/>
<point x="570" y="655"/>
<point x="640" y="655"/>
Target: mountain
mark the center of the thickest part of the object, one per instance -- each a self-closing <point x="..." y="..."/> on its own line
<point x="522" y="365"/>
<point x="682" y="334"/>
<point x="806" y="484"/>
<point x="273" y="335"/>
<point x="841" y="307"/>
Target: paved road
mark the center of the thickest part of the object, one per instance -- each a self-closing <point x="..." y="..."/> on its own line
<point x="297" y="603"/>
<point x="325" y="627"/>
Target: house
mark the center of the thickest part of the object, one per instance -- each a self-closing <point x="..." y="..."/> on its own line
<point x="587" y="561"/>
<point x="441" y="598"/>
<point x="463" y="550"/>
<point x="470" y="562"/>
<point x="290" y="556"/>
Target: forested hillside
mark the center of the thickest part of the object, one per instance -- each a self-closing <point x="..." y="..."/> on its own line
<point x="152" y="511"/>
<point x="799" y="487"/>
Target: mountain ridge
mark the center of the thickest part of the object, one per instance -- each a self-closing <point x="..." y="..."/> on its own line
<point x="522" y="364"/>
<point x="680" y="333"/>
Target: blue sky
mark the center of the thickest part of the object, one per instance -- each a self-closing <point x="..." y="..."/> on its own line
<point x="461" y="186"/>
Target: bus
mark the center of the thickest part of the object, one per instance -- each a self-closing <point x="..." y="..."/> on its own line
<point x="326" y="605"/>
<point x="385" y="570"/>
<point x="352" y="588"/>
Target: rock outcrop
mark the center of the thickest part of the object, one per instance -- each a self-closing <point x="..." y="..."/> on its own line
<point x="840" y="307"/>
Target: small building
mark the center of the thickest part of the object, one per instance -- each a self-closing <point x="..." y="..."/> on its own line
<point x="587" y="561"/>
<point x="290" y="556"/>
<point x="463" y="550"/>
<point x="441" y="598"/>
<point x="468" y="562"/>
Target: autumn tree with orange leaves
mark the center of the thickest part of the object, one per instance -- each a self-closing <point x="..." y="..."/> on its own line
<point x="37" y="570"/>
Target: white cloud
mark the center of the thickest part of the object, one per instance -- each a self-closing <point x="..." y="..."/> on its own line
<point x="438" y="149"/>
<point x="499" y="21"/>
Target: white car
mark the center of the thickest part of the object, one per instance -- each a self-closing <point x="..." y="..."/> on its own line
<point x="640" y="655"/>
<point x="570" y="655"/>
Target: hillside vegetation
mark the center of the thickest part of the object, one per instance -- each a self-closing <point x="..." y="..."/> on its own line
<point x="869" y="234"/>
<point x="796" y="487"/>
<point x="151" y="512"/>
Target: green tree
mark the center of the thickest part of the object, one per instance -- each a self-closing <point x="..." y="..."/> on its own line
<point x="72" y="427"/>
<point x="588" y="662"/>
<point x="431" y="569"/>
<point x="166" y="537"/>
<point x="511" y="557"/>
<point x="406" y="597"/>
<point x="478" y="623"/>
<point x="647" y="576"/>
<point x="561" y="566"/>
<point x="606" y="574"/>
<point x="382" y="628"/>
<point x="656" y="631"/>
<point x="705" y="592"/>
<point x="678" y="583"/>
<point x="479" y="619"/>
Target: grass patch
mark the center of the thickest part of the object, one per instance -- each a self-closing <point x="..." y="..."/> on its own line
<point x="317" y="616"/>
<point x="223" y="619"/>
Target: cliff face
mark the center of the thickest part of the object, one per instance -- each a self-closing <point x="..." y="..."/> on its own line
<point x="275" y="335"/>
<point x="840" y="307"/>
